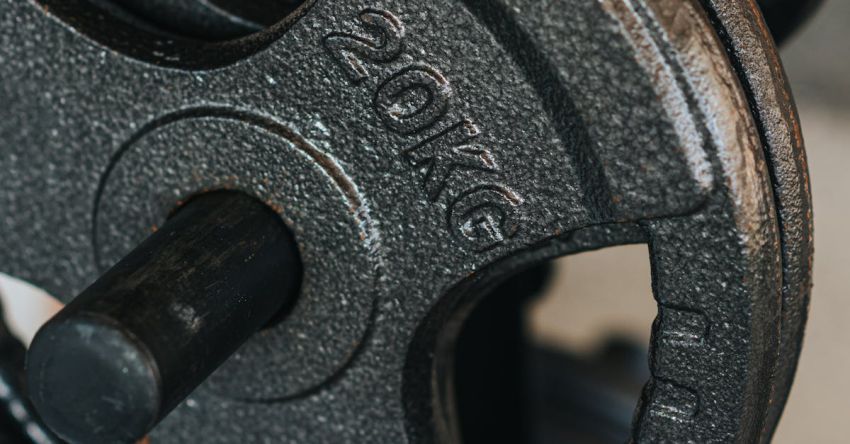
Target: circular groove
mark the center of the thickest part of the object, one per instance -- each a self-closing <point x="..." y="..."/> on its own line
<point x="193" y="36"/>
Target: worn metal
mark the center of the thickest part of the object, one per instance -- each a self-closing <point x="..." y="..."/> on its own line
<point x="157" y="324"/>
<point x="421" y="153"/>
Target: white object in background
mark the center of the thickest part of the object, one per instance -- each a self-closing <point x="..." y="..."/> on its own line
<point x="26" y="307"/>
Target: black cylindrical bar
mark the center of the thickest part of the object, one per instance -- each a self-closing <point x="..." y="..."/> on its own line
<point x="132" y="346"/>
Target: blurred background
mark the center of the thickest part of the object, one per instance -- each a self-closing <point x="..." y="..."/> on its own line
<point x="598" y="306"/>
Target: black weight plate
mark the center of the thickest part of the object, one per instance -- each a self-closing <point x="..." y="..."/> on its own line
<point x="670" y="406"/>
<point x="757" y="62"/>
<point x="755" y="58"/>
<point x="439" y="145"/>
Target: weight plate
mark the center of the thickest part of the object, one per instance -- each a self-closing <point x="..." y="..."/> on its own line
<point x="196" y="149"/>
<point x="758" y="64"/>
<point x="444" y="145"/>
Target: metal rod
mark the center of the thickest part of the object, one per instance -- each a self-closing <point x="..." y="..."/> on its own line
<point x="132" y="346"/>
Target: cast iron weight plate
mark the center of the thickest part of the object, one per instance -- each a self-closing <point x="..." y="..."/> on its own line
<point x="461" y="140"/>
<point x="757" y="62"/>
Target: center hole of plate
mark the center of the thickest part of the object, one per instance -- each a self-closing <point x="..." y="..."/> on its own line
<point x="558" y="353"/>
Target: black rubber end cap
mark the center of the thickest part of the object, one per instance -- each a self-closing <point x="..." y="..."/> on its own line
<point x="91" y="382"/>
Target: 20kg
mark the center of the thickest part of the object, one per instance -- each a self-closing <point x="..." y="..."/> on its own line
<point x="413" y="100"/>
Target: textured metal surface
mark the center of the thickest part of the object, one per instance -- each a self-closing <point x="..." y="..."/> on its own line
<point x="140" y="339"/>
<point x="421" y="151"/>
<point x="760" y="69"/>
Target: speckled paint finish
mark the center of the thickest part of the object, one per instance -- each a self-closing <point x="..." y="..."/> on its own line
<point x="563" y="126"/>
